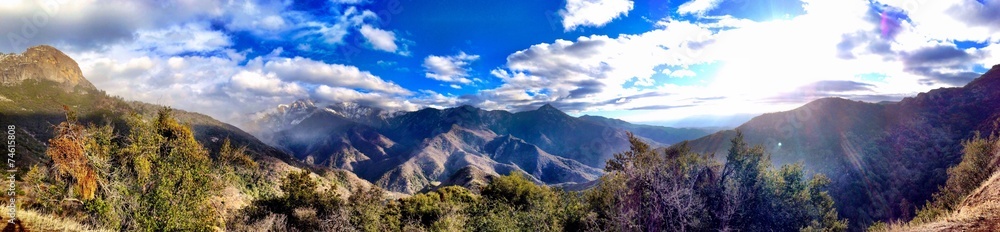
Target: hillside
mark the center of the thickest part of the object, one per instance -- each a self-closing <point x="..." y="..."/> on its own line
<point x="884" y="159"/>
<point x="40" y="85"/>
<point x="980" y="211"/>
<point x="410" y="151"/>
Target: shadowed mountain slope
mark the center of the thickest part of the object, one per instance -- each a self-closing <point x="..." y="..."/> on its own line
<point x="884" y="159"/>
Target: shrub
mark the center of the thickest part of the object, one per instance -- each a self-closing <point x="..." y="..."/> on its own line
<point x="981" y="156"/>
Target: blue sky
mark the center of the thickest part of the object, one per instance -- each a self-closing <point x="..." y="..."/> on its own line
<point x="654" y="62"/>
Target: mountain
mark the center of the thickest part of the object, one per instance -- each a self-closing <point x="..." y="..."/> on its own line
<point x="884" y="159"/>
<point x="658" y="134"/>
<point x="38" y="83"/>
<point x="979" y="211"/>
<point x="42" y="63"/>
<point x="412" y="151"/>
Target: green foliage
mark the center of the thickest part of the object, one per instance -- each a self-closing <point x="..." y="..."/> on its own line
<point x="156" y="178"/>
<point x="513" y="202"/>
<point x="43" y="192"/>
<point x="980" y="159"/>
<point x="516" y="190"/>
<point x="878" y="227"/>
<point x="298" y="188"/>
<point x="370" y="211"/>
<point x="179" y="187"/>
<point x="440" y="210"/>
<point x="235" y="156"/>
<point x="302" y="207"/>
<point x="774" y="199"/>
<point x="678" y="190"/>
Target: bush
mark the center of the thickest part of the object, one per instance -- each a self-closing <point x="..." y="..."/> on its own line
<point x="371" y="212"/>
<point x="678" y="190"/>
<point x="980" y="159"/>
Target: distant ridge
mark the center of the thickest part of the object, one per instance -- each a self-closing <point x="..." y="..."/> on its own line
<point x="411" y="151"/>
<point x="884" y="159"/>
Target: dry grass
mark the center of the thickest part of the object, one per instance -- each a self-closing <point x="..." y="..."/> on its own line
<point x="980" y="211"/>
<point x="34" y="221"/>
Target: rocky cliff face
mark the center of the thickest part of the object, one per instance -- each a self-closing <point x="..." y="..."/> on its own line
<point x="41" y="62"/>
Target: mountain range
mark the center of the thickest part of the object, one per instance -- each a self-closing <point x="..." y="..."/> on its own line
<point x="885" y="159"/>
<point x="411" y="151"/>
<point x="39" y="85"/>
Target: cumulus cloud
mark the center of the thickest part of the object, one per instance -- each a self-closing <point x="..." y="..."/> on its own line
<point x="340" y="94"/>
<point x="836" y="49"/>
<point x="180" y="53"/>
<point x="593" y="13"/>
<point x="316" y="72"/>
<point x="265" y="84"/>
<point x="379" y="39"/>
<point x="222" y="87"/>
<point x="591" y="71"/>
<point x="451" y="69"/>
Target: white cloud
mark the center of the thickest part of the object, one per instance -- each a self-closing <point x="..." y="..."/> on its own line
<point x="592" y="71"/>
<point x="452" y="69"/>
<point x="178" y="53"/>
<point x="379" y="39"/>
<point x="180" y="39"/>
<point x="698" y="7"/>
<point x="594" y="13"/>
<point x="316" y="72"/>
<point x="260" y="18"/>
<point x="266" y="84"/>
<point x="339" y="94"/>
<point x="966" y="20"/>
<point x="682" y="73"/>
<point x="755" y="71"/>
<point x="223" y="88"/>
<point x="76" y="25"/>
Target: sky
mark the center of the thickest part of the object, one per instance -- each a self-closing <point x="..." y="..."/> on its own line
<point x="675" y="63"/>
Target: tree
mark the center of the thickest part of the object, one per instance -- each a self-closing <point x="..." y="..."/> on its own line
<point x="180" y="182"/>
<point x="299" y="188"/>
<point x="651" y="191"/>
<point x="69" y="159"/>
<point x="678" y="190"/>
<point x="760" y="198"/>
<point x="370" y="212"/>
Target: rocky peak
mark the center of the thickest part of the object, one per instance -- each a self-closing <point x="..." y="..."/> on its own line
<point x="550" y="110"/>
<point x="301" y="105"/>
<point x="42" y="63"/>
<point x="548" y="107"/>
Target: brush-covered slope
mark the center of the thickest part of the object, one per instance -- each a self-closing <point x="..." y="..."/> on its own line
<point x="42" y="88"/>
<point x="884" y="159"/>
<point x="40" y="84"/>
<point x="411" y="151"/>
